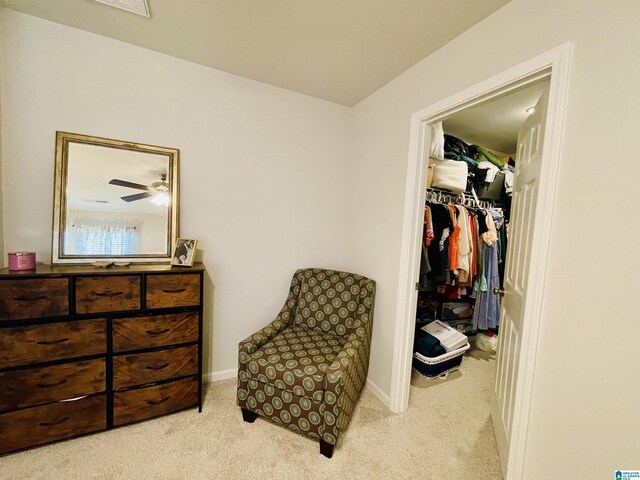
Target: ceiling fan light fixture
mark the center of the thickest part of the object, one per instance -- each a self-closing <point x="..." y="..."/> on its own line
<point x="161" y="198"/>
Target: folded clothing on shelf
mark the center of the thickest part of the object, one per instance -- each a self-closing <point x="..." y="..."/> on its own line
<point x="456" y="310"/>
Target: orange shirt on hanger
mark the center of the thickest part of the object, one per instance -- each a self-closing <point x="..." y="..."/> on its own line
<point x="453" y="240"/>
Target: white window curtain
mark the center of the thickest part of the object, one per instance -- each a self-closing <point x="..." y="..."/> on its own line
<point x="101" y="240"/>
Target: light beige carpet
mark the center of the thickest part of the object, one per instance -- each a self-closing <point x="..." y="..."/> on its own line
<point x="445" y="434"/>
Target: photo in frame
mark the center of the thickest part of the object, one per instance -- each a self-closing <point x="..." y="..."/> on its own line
<point x="184" y="252"/>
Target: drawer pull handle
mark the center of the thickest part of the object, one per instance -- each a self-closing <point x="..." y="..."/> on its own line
<point x="53" y="342"/>
<point x="53" y="424"/>
<point x="174" y="290"/>
<point x="49" y="385"/>
<point x="30" y="299"/>
<point x="74" y="399"/>
<point x="155" y="368"/>
<point x="158" y="402"/>
<point x="107" y="294"/>
<point x="158" y="332"/>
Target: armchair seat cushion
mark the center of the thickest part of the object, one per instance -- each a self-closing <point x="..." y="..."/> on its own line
<point x="296" y="360"/>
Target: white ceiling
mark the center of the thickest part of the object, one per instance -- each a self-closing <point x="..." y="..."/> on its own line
<point x="495" y="124"/>
<point x="337" y="50"/>
<point x="91" y="167"/>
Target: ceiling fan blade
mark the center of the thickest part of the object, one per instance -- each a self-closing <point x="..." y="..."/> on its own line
<point x="123" y="183"/>
<point x="137" y="196"/>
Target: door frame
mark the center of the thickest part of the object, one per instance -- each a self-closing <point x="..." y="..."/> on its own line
<point x="554" y="64"/>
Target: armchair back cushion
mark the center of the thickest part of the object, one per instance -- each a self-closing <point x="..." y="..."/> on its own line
<point x="328" y="301"/>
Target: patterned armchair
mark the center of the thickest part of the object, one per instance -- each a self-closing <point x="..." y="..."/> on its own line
<point x="305" y="370"/>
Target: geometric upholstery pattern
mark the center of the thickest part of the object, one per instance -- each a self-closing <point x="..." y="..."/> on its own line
<point x="296" y="360"/>
<point x="327" y="302"/>
<point x="306" y="369"/>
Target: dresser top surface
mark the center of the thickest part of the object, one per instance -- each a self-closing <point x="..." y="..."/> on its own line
<point x="48" y="270"/>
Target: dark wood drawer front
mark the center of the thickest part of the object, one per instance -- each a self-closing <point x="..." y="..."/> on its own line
<point x="142" y="403"/>
<point x="180" y="290"/>
<point x="54" y="341"/>
<point x="131" y="370"/>
<point x="34" y="297"/>
<point x="38" y="425"/>
<point x="107" y="294"/>
<point x="35" y="386"/>
<point x="137" y="333"/>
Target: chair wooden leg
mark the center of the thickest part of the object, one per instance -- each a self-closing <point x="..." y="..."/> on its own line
<point x="248" y="416"/>
<point x="326" y="449"/>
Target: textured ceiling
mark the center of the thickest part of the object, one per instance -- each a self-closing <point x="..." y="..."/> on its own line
<point x="337" y="50"/>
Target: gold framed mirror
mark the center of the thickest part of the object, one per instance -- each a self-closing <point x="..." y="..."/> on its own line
<point x="114" y="201"/>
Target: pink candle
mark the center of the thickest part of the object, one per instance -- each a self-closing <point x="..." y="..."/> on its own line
<point x="22" y="260"/>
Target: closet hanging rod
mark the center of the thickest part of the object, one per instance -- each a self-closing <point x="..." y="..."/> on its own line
<point x="466" y="198"/>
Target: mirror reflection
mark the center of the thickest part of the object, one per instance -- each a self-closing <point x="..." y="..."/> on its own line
<point x="117" y="202"/>
<point x="113" y="200"/>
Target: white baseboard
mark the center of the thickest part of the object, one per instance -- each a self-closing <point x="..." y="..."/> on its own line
<point x="233" y="372"/>
<point x="378" y="392"/>
<point x="220" y="375"/>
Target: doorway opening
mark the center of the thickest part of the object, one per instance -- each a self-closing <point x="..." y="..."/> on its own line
<point x="511" y="402"/>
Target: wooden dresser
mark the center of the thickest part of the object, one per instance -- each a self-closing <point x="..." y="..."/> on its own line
<point x="84" y="349"/>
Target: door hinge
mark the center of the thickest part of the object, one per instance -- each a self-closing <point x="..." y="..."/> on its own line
<point x="417" y="286"/>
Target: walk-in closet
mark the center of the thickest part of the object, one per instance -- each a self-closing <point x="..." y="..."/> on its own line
<point x="468" y="224"/>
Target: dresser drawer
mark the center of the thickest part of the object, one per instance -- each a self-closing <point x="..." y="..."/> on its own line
<point x="136" y="369"/>
<point x="107" y="294"/>
<point x="35" y="386"/>
<point x="38" y="425"/>
<point x="180" y="290"/>
<point x="142" y="403"/>
<point x="137" y="333"/>
<point x="53" y="341"/>
<point x="33" y="298"/>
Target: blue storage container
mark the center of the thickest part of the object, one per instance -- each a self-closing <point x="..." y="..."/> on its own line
<point x="441" y="365"/>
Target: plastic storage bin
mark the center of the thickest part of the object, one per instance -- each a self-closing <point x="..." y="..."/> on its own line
<point x="441" y="365"/>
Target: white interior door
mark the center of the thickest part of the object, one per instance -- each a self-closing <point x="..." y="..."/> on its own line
<point x="525" y="192"/>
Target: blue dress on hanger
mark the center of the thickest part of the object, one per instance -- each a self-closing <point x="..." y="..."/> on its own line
<point x="486" y="313"/>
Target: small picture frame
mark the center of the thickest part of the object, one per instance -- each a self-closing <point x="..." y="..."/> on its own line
<point x="184" y="252"/>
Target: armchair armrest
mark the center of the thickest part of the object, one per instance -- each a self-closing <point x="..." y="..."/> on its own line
<point x="349" y="366"/>
<point x="248" y="346"/>
<point x="352" y="363"/>
<point x="343" y="382"/>
<point x="347" y="374"/>
<point x="253" y="342"/>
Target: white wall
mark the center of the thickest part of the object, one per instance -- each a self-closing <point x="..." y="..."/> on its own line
<point x="585" y="418"/>
<point x="262" y="169"/>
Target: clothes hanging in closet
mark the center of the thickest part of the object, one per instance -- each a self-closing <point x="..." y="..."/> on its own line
<point x="486" y="313"/>
<point x="437" y="249"/>
<point x="464" y="249"/>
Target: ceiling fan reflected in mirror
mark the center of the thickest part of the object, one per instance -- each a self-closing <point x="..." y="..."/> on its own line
<point x="157" y="191"/>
